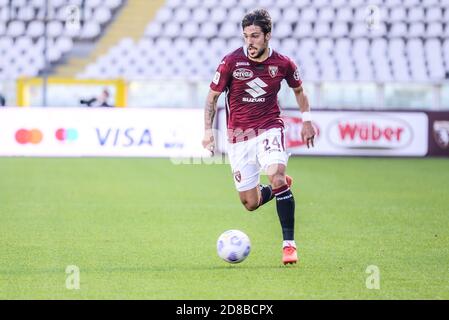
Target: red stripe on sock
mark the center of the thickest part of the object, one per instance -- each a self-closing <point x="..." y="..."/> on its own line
<point x="280" y="190"/>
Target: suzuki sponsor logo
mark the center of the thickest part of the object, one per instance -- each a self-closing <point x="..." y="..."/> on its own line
<point x="240" y="63"/>
<point x="370" y="132"/>
<point x="25" y="136"/>
<point x="124" y="137"/>
<point x="293" y="128"/>
<point x="242" y="74"/>
<point x="256" y="86"/>
<point x="246" y="99"/>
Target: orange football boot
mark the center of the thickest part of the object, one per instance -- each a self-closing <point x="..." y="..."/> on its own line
<point x="289" y="255"/>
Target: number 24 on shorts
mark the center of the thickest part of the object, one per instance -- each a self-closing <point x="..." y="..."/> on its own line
<point x="274" y="142"/>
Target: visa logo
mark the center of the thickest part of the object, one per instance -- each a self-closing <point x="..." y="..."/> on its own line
<point x="128" y="137"/>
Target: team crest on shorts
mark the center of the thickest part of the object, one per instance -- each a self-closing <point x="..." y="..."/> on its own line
<point x="273" y="71"/>
<point x="237" y="176"/>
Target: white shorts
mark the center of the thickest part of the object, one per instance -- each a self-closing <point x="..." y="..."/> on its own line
<point x="249" y="157"/>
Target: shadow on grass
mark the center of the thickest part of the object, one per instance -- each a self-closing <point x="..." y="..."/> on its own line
<point x="146" y="269"/>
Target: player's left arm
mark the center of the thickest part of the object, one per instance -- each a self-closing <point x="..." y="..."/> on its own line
<point x="307" y="132"/>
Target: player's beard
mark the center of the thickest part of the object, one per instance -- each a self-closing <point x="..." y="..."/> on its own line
<point x="260" y="52"/>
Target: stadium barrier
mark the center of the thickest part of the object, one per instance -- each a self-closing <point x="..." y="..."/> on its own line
<point x="115" y="132"/>
<point x="365" y="133"/>
<point x="177" y="133"/>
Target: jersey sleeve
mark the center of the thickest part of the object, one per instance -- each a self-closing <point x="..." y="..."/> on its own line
<point x="292" y="76"/>
<point x="221" y="77"/>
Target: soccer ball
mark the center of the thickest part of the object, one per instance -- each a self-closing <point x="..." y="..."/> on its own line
<point x="233" y="246"/>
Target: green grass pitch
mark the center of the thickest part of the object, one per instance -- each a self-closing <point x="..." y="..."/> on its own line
<point x="147" y="229"/>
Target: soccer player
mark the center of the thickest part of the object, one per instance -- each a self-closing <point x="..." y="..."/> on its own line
<point x="251" y="78"/>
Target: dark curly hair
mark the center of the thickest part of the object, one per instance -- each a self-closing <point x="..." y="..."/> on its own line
<point x="258" y="17"/>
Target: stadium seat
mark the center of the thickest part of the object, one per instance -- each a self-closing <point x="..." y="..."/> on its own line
<point x="339" y="29"/>
<point x="411" y="3"/>
<point x="416" y="30"/>
<point x="190" y="29"/>
<point x="275" y="13"/>
<point x="344" y="13"/>
<point x="181" y="15"/>
<point x="290" y="15"/>
<point x="429" y="3"/>
<point x="164" y="15"/>
<point x="171" y="30"/>
<point x="229" y="4"/>
<point x="54" y="29"/>
<point x="64" y="44"/>
<point x="359" y="30"/>
<point x="416" y="14"/>
<point x="434" y="14"/>
<point x="153" y="29"/>
<point x="218" y="14"/>
<point x="398" y="29"/>
<point x="326" y="14"/>
<point x="2" y="28"/>
<point x="209" y="4"/>
<point x="289" y="46"/>
<point x="200" y="14"/>
<point x="321" y="3"/>
<point x="285" y="4"/>
<point x="90" y="30"/>
<point x="208" y="30"/>
<point x="26" y="14"/>
<point x="434" y="29"/>
<point x="282" y="29"/>
<point x="15" y="28"/>
<point x="398" y="14"/>
<point x="112" y="4"/>
<point x="309" y="14"/>
<point x="229" y="29"/>
<point x="235" y="14"/>
<point x="321" y="29"/>
<point x="192" y="3"/>
<point x="102" y="15"/>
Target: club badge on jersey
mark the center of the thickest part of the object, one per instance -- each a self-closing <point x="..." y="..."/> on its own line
<point x="273" y="70"/>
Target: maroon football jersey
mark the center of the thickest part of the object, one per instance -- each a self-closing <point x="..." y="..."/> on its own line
<point x="251" y="90"/>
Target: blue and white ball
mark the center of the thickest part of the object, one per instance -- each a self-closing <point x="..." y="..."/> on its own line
<point x="233" y="246"/>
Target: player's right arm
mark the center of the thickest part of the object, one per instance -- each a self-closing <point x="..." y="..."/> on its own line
<point x="209" y="116"/>
<point x="217" y="86"/>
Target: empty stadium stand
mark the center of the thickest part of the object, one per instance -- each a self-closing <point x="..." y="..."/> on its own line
<point x="347" y="40"/>
<point x="331" y="40"/>
<point x="23" y="24"/>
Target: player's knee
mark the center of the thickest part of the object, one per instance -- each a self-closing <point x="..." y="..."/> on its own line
<point x="278" y="181"/>
<point x="250" y="205"/>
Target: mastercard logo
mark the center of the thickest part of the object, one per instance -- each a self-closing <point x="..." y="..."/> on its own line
<point x="66" y="134"/>
<point x="33" y="136"/>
